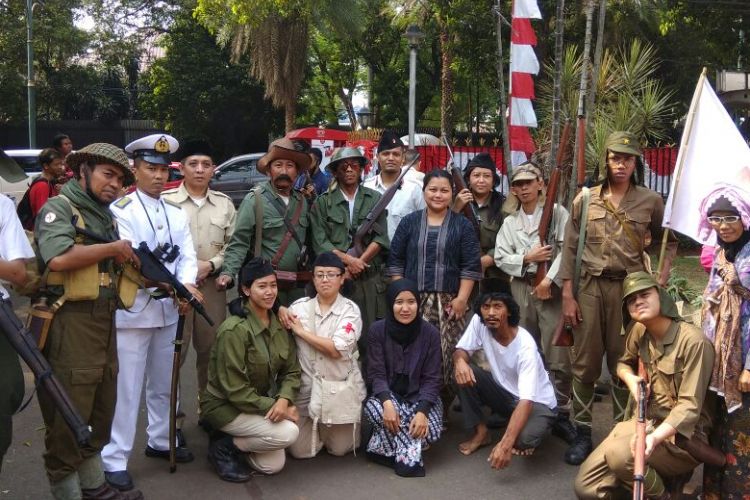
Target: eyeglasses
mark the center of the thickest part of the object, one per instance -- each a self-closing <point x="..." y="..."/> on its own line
<point x="354" y="165"/>
<point x="327" y="276"/>
<point x="726" y="219"/>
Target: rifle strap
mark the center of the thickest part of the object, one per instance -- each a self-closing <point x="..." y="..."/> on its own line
<point x="258" y="223"/>
<point x="288" y="236"/>
<point x="282" y="210"/>
<point x="585" y="202"/>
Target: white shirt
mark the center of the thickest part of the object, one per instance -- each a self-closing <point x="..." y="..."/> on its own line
<point x="136" y="213"/>
<point x="517" y="367"/>
<point x="407" y="199"/>
<point x="13" y="241"/>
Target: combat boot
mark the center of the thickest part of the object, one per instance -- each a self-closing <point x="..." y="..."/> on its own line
<point x="581" y="447"/>
<point x="227" y="460"/>
<point x="564" y="429"/>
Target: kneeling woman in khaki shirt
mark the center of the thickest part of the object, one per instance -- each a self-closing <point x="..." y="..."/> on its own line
<point x="253" y="380"/>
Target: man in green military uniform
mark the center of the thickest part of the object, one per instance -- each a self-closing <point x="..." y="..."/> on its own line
<point x="620" y="213"/>
<point x="677" y="359"/>
<point x="284" y="220"/>
<point x="81" y="345"/>
<point x="337" y="215"/>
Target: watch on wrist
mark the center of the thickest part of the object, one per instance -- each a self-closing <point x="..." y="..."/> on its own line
<point x="213" y="267"/>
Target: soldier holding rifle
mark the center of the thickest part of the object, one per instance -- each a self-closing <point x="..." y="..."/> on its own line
<point x="677" y="361"/>
<point x="609" y="244"/>
<point x="81" y="343"/>
<point x="337" y="215"/>
<point x="518" y="252"/>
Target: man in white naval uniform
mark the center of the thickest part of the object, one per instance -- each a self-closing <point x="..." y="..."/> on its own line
<point x="145" y="332"/>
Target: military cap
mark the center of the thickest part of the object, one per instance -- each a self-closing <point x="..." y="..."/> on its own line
<point x="526" y="172"/>
<point x="624" y="142"/>
<point x="389" y="140"/>
<point x="283" y="149"/>
<point x="154" y="148"/>
<point x="101" y="153"/>
<point x="639" y="281"/>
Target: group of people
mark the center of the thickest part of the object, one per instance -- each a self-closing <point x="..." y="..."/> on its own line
<point x="333" y="323"/>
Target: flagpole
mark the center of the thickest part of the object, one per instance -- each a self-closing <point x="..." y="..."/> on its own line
<point x="680" y="160"/>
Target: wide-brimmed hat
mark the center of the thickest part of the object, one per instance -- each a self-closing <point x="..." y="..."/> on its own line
<point x="345" y="153"/>
<point x="101" y="152"/>
<point x="283" y="149"/>
<point x="10" y="170"/>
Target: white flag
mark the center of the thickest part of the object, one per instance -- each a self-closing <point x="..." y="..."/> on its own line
<point x="714" y="152"/>
<point x="526" y="8"/>
<point x="523" y="59"/>
<point x="522" y="112"/>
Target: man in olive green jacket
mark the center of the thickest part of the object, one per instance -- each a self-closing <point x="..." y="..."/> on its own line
<point x="276" y="200"/>
<point x="336" y="216"/>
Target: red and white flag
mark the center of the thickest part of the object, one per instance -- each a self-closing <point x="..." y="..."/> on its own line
<point x="523" y="64"/>
<point x="712" y="152"/>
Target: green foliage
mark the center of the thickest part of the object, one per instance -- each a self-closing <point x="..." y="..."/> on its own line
<point x="197" y="93"/>
<point x="678" y="287"/>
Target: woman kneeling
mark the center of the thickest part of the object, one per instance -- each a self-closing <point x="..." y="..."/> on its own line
<point x="326" y="328"/>
<point x="404" y="367"/>
<point x="253" y="379"/>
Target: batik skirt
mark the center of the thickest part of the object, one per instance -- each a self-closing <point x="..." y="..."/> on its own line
<point x="402" y="448"/>
<point x="731" y="434"/>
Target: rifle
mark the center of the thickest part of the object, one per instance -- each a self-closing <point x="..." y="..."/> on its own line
<point x="20" y="339"/>
<point x="175" y="382"/>
<point x="364" y="230"/>
<point x="581" y="156"/>
<point x="549" y="203"/>
<point x="469" y="210"/>
<point x="154" y="269"/>
<point x="639" y="468"/>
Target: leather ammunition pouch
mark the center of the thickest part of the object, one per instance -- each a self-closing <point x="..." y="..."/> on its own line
<point x="38" y="323"/>
<point x="128" y="284"/>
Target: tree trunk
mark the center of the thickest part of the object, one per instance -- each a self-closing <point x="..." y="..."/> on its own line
<point x="447" y="85"/>
<point x="289" y="115"/>
<point x="591" y="98"/>
<point x="346" y="100"/>
<point x="555" y="129"/>
<point x="501" y="89"/>
<point x="582" y="91"/>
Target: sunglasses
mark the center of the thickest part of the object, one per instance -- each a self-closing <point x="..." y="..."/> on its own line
<point x="726" y="219"/>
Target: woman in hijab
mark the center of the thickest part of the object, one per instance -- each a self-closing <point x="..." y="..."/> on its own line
<point x="726" y="322"/>
<point x="404" y="369"/>
<point x="253" y="380"/>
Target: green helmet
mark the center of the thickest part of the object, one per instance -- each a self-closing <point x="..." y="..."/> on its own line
<point x="345" y="153"/>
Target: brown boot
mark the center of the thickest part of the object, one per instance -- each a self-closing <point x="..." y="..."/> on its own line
<point x="107" y="492"/>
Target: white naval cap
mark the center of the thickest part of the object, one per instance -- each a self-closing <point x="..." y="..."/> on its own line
<point x="154" y="148"/>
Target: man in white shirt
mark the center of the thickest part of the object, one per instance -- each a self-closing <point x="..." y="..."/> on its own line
<point x="409" y="197"/>
<point x="517" y="385"/>
<point x="146" y="331"/>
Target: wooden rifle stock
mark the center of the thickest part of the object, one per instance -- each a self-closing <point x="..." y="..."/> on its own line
<point x="358" y="241"/>
<point x="459" y="184"/>
<point x="639" y="467"/>
<point x="549" y="203"/>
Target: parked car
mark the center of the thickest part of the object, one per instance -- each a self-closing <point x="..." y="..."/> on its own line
<point x="237" y="176"/>
<point x="28" y="160"/>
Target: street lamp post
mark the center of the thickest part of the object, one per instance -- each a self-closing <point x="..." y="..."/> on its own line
<point x="364" y="115"/>
<point x="30" y="84"/>
<point x="413" y="37"/>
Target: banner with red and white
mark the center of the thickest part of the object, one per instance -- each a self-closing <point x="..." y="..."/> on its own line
<point x="523" y="64"/>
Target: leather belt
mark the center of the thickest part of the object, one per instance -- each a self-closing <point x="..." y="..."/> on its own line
<point x="57" y="278"/>
<point x="288" y="280"/>
<point x="609" y="274"/>
<point x="529" y="279"/>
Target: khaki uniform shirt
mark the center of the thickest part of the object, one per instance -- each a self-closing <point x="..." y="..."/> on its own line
<point x="342" y="323"/>
<point x="211" y="224"/>
<point x="332" y="227"/>
<point x="244" y="358"/>
<point x="679" y="371"/>
<point x="520" y="233"/>
<point x="608" y="247"/>
<point x="274" y="229"/>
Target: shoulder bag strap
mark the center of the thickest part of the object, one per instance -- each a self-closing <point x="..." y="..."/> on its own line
<point x="288" y="235"/>
<point x="585" y="202"/>
<point x="258" y="222"/>
<point x="282" y="210"/>
<point x="625" y="226"/>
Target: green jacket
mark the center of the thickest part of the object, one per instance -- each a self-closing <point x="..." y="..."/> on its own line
<point x="331" y="226"/>
<point x="488" y="240"/>
<point x="239" y="377"/>
<point x="274" y="229"/>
